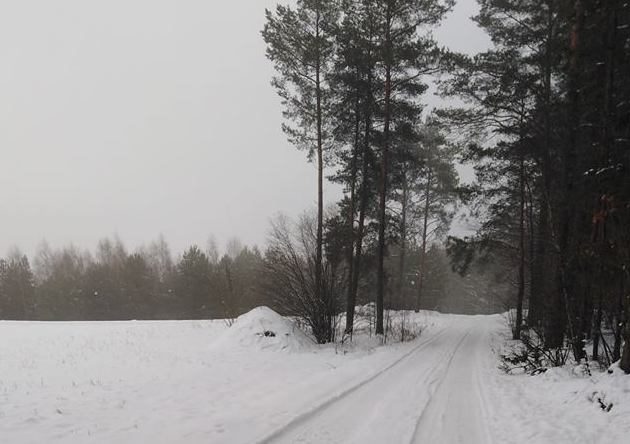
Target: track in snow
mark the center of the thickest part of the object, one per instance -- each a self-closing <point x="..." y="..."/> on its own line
<point x="430" y="395"/>
<point x="455" y="413"/>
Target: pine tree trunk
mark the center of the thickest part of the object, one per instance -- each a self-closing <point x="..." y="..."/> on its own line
<point x="567" y="220"/>
<point x="320" y="177"/>
<point x="625" y="308"/>
<point x="539" y="289"/>
<point x="380" y="284"/>
<point x="586" y="317"/>
<point x="538" y="275"/>
<point x="354" y="287"/>
<point x="364" y="196"/>
<point x="620" y="321"/>
<point x="597" y="325"/>
<point x="521" y="265"/>
<point x="403" y="241"/>
<point x="608" y="111"/>
<point x="625" y="357"/>
<point x="533" y="299"/>
<point x="350" y="300"/>
<point x="382" y="217"/>
<point x="425" y="235"/>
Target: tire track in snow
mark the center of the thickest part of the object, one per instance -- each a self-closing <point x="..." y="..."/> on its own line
<point x="488" y="362"/>
<point x="305" y="416"/>
<point x="456" y="412"/>
<point x="434" y="387"/>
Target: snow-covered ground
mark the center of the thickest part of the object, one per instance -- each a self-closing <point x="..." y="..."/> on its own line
<point x="264" y="380"/>
<point x="560" y="405"/>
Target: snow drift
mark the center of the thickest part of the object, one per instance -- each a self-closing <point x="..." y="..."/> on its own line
<point x="264" y="329"/>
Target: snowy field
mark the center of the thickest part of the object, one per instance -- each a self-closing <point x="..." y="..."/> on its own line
<point x="202" y="382"/>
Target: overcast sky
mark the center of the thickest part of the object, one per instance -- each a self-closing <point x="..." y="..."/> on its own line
<point x="141" y="117"/>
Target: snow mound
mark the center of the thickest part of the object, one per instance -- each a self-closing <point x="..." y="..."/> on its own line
<point x="264" y="329"/>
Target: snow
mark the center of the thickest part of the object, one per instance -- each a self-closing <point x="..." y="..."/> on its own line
<point x="201" y="382"/>
<point x="559" y="405"/>
<point x="264" y="329"/>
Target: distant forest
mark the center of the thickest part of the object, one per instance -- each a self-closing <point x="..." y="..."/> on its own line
<point x="111" y="283"/>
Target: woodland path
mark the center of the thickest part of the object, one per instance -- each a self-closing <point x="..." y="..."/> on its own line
<point x="434" y="394"/>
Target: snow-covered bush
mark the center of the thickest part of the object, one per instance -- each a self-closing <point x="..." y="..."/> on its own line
<point x="532" y="356"/>
<point x="289" y="272"/>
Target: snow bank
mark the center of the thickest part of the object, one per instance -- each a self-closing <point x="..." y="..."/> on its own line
<point x="264" y="329"/>
<point x="563" y="404"/>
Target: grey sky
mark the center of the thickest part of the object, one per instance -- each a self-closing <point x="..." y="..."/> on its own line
<point x="141" y="117"/>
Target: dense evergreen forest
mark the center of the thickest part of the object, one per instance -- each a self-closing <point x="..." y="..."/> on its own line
<point x="544" y="117"/>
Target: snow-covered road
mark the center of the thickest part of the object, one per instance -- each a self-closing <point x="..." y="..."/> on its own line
<point x="431" y="395"/>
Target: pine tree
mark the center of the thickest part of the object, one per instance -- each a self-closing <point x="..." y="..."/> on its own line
<point x="193" y="285"/>
<point x="354" y="108"/>
<point x="16" y="288"/>
<point x="300" y="44"/>
<point x="435" y="189"/>
<point x="404" y="55"/>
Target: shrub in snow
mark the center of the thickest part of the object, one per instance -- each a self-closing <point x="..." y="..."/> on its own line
<point x="401" y="327"/>
<point x="530" y="355"/>
<point x="290" y="279"/>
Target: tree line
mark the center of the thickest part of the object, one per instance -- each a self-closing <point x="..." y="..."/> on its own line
<point x="112" y="283"/>
<point x="115" y="284"/>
